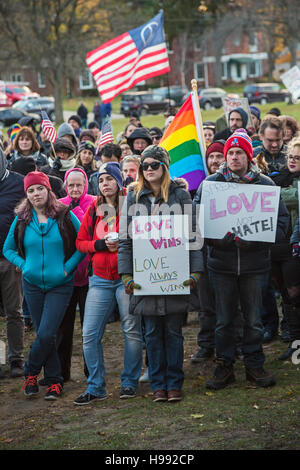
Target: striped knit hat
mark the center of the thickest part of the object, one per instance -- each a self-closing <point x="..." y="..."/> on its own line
<point x="239" y="139"/>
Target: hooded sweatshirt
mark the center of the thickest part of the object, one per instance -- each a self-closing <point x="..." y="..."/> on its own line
<point x="65" y="129"/>
<point x="82" y="205"/>
<point x="44" y="263"/>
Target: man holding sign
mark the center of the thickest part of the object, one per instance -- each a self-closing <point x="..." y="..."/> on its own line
<point x="239" y="268"/>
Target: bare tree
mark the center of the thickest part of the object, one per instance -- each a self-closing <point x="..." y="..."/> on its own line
<point x="51" y="35"/>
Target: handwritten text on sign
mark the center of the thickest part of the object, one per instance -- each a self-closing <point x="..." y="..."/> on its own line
<point x="160" y="254"/>
<point x="248" y="210"/>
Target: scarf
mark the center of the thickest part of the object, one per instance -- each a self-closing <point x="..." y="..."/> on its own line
<point x="229" y="175"/>
<point x="65" y="164"/>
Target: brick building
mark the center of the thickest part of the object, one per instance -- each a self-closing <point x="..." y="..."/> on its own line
<point x="242" y="58"/>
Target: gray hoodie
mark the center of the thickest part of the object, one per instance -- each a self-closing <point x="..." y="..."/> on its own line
<point x="65" y="129"/>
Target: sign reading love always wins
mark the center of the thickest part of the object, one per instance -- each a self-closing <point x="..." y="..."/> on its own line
<point x="161" y="254"/>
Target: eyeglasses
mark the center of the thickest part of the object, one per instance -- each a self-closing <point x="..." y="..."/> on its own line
<point x="153" y="165"/>
<point x="292" y="157"/>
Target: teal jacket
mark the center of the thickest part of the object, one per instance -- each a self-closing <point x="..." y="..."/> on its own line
<point x="44" y="264"/>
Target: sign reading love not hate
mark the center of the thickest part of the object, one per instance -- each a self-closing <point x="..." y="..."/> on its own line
<point x="160" y="254"/>
<point x="248" y="210"/>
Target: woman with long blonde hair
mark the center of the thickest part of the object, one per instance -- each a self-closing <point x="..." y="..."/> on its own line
<point x="162" y="315"/>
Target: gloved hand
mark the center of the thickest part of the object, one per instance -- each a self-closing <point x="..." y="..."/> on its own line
<point x="57" y="164"/>
<point x="296" y="250"/>
<point x="129" y="283"/>
<point x="74" y="203"/>
<point x="240" y="243"/>
<point x="192" y="281"/>
<point x="228" y="239"/>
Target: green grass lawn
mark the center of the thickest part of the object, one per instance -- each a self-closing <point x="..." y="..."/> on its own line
<point x="241" y="416"/>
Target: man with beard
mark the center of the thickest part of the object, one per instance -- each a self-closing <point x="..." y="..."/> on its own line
<point x="237" y="119"/>
<point x="273" y="148"/>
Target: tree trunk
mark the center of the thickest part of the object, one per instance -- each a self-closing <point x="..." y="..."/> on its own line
<point x="182" y="65"/>
<point x="58" y="93"/>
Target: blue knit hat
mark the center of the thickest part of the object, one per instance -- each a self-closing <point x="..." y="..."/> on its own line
<point x="255" y="111"/>
<point x="112" y="169"/>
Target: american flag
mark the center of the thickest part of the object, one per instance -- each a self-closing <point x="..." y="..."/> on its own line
<point x="130" y="58"/>
<point x="48" y="128"/>
<point x="106" y="134"/>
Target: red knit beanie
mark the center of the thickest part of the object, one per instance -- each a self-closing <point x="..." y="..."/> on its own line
<point x="217" y="146"/>
<point x="36" y="177"/>
<point x="239" y="139"/>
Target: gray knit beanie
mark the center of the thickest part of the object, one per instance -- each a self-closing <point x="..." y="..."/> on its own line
<point x="158" y="153"/>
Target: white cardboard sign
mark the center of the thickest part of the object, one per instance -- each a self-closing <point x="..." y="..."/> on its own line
<point x="291" y="80"/>
<point x="161" y="254"/>
<point x="229" y="104"/>
<point x="248" y="210"/>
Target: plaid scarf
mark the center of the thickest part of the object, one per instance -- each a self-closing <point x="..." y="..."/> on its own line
<point x="250" y="176"/>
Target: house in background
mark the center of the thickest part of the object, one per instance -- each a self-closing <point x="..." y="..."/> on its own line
<point x="242" y="58"/>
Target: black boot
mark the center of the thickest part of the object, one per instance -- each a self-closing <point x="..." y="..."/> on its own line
<point x="223" y="376"/>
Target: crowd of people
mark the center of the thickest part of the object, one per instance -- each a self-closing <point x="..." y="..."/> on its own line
<point x="65" y="237"/>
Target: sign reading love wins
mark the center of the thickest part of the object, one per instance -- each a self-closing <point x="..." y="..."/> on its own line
<point x="161" y="254"/>
<point x="248" y="210"/>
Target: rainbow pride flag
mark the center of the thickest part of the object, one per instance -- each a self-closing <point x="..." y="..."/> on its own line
<point x="183" y="141"/>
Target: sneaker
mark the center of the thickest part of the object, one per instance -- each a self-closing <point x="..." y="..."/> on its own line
<point x="174" y="395"/>
<point x="127" y="392"/>
<point x="30" y="386"/>
<point x="223" y="376"/>
<point x="286" y="354"/>
<point x="201" y="354"/>
<point x="86" y="398"/>
<point x="145" y="377"/>
<point x="160" y="395"/>
<point x="53" y="392"/>
<point x="16" y="369"/>
<point x="260" y="377"/>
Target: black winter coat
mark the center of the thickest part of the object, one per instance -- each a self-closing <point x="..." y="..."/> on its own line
<point x="156" y="305"/>
<point x="11" y="193"/>
<point x="253" y="258"/>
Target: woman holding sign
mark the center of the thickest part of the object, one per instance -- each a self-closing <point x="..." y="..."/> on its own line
<point x="98" y="236"/>
<point x="162" y="314"/>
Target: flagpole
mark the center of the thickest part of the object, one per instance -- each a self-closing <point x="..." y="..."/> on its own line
<point x="198" y="120"/>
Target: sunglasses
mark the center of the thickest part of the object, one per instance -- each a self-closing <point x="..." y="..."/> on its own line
<point x="153" y="165"/>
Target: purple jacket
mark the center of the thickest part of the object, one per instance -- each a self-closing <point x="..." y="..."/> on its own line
<point x="81" y="276"/>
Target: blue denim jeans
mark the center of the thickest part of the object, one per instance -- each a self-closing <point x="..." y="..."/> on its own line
<point x="164" y="344"/>
<point x="100" y="303"/>
<point x="232" y="291"/>
<point x="47" y="310"/>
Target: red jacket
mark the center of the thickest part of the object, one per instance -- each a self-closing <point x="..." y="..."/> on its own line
<point x="105" y="263"/>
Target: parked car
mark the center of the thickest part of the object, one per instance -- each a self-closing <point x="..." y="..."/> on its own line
<point x="144" y="102"/>
<point x="5" y="100"/>
<point x="9" y="116"/>
<point x="212" y="97"/>
<point x="36" y="105"/>
<point x="175" y="93"/>
<point x="264" y="93"/>
<point x="18" y="92"/>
